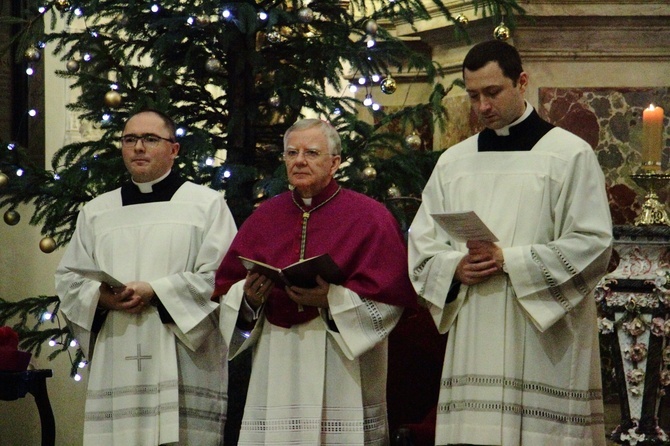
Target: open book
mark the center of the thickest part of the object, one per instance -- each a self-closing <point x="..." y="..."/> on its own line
<point x="464" y="226"/>
<point x="301" y="274"/>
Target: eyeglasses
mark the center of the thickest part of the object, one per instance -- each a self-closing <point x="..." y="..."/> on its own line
<point x="149" y="140"/>
<point x="309" y="154"/>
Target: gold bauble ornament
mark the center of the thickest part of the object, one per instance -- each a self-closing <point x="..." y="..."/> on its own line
<point x="32" y="54"/>
<point x="462" y="20"/>
<point x="112" y="99"/>
<point x="413" y="141"/>
<point x="203" y="20"/>
<point x="4" y="180"/>
<point x="123" y="19"/>
<point x="393" y="192"/>
<point x="501" y="32"/>
<point x="47" y="245"/>
<point x="62" y="5"/>
<point x="72" y="66"/>
<point x="388" y="85"/>
<point x="369" y="173"/>
<point x="12" y="217"/>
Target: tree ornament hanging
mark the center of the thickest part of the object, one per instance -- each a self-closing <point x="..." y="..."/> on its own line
<point x="462" y="20"/>
<point x="393" y="192"/>
<point x="388" y="85"/>
<point x="413" y="141"/>
<point x="203" y="20"/>
<point x="112" y="99"/>
<point x="274" y="37"/>
<point x="371" y="27"/>
<point x="12" y="218"/>
<point x="72" y="66"/>
<point x="274" y="100"/>
<point x="32" y="54"/>
<point x="47" y="245"/>
<point x="501" y="32"/>
<point x="305" y="14"/>
<point x="62" y="5"/>
<point x="369" y="173"/>
<point x="4" y="180"/>
<point x="213" y="65"/>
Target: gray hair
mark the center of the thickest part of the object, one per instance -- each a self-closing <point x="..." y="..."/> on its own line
<point x="332" y="137"/>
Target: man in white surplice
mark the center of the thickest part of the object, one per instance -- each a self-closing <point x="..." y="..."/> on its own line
<point x="522" y="363"/>
<point x="158" y="370"/>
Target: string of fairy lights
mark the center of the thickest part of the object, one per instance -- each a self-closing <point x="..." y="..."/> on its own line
<point x="113" y="99"/>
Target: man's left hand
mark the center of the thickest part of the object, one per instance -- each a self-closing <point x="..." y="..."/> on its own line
<point x="313" y="297"/>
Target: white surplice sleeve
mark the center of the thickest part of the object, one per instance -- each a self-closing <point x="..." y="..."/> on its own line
<point x="361" y="323"/>
<point x="78" y="296"/>
<point x="551" y="279"/>
<point x="186" y="295"/>
<point x="433" y="258"/>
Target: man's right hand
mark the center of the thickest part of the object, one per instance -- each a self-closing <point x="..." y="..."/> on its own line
<point x="119" y="299"/>
<point x="479" y="263"/>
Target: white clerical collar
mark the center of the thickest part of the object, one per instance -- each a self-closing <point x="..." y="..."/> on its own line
<point x="147" y="188"/>
<point x="504" y="131"/>
<point x="307" y="201"/>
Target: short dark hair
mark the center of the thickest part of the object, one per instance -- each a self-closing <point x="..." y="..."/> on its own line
<point x="503" y="53"/>
<point x="169" y="123"/>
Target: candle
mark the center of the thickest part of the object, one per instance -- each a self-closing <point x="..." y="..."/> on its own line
<point x="652" y="136"/>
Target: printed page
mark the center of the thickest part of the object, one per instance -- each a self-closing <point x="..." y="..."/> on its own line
<point x="464" y="226"/>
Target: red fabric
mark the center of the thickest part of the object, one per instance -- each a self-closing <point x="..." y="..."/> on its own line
<point x="415" y="359"/>
<point x="359" y="233"/>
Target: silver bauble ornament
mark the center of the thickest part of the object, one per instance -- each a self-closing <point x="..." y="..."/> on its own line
<point x="305" y="14"/>
<point x="388" y="85"/>
<point x="12" y="217"/>
<point x="62" y="5"/>
<point x="393" y="192"/>
<point x="501" y="32"/>
<point x="371" y="27"/>
<point x="369" y="173"/>
<point x="32" y="54"/>
<point x="72" y="66"/>
<point x="274" y="37"/>
<point x="112" y="99"/>
<point x="413" y="141"/>
<point x="47" y="245"/>
<point x="274" y="101"/>
<point x="4" y="180"/>
<point x="213" y="65"/>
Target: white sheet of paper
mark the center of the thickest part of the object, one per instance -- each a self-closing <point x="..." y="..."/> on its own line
<point x="464" y="226"/>
<point x="96" y="274"/>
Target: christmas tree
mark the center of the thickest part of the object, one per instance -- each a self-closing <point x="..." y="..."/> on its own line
<point x="233" y="75"/>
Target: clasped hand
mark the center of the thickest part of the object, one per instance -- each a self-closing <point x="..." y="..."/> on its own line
<point x="132" y="298"/>
<point x="482" y="261"/>
<point x="258" y="287"/>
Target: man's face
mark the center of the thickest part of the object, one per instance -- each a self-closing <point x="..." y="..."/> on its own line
<point x="309" y="174"/>
<point x="497" y="100"/>
<point x="148" y="163"/>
